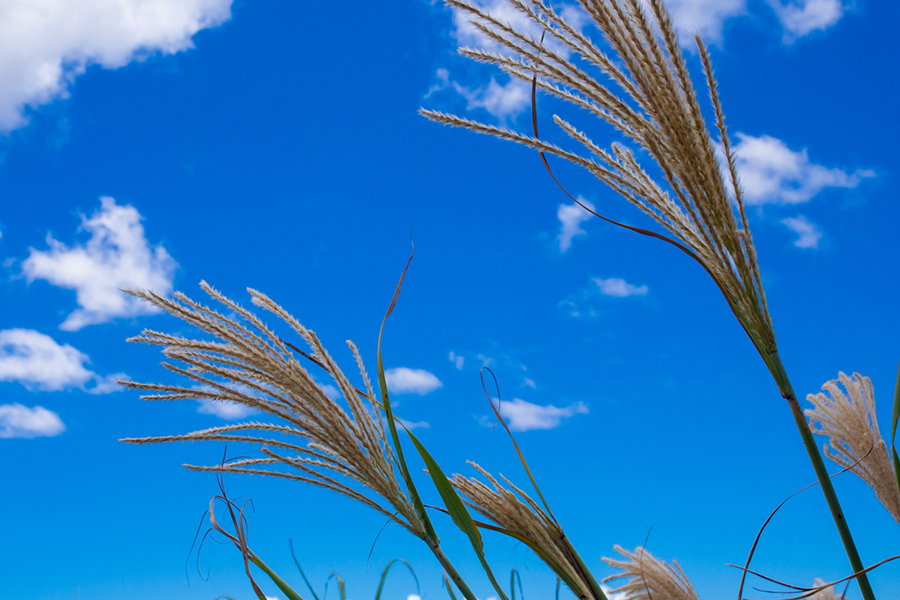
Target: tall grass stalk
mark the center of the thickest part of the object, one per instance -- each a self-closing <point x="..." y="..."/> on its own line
<point x="657" y="108"/>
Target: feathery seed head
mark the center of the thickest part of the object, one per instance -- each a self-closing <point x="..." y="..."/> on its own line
<point x="656" y="107"/>
<point x="648" y="578"/>
<point x="848" y="418"/>
<point x="315" y="439"/>
<point x="523" y="517"/>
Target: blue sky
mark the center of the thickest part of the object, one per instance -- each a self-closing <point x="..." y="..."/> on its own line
<point x="276" y="145"/>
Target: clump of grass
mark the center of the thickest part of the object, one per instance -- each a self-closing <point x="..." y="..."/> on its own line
<point x="315" y="440"/>
<point x="349" y="447"/>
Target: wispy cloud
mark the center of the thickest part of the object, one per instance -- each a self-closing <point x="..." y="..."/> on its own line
<point x="225" y="409"/>
<point x="402" y="380"/>
<point x="469" y="36"/>
<point x="116" y="256"/>
<point x="525" y="416"/>
<point x="583" y="303"/>
<point x="457" y="360"/>
<point x="38" y="362"/>
<point x="17" y="421"/>
<point x="808" y="235"/>
<point x="415" y="424"/>
<point x="802" y="17"/>
<point x="45" y="45"/>
<point x="503" y="100"/>
<point x="330" y="391"/>
<point x="619" y="288"/>
<point x="571" y="216"/>
<point x="706" y="17"/>
<point x="772" y="173"/>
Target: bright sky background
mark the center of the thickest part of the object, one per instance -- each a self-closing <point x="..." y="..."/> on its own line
<point x="276" y="145"/>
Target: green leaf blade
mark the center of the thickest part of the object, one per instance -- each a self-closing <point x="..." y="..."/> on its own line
<point x="457" y="510"/>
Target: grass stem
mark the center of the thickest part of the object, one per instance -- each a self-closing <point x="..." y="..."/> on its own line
<point x="815" y="457"/>
<point x="586" y="572"/>
<point x="452" y="572"/>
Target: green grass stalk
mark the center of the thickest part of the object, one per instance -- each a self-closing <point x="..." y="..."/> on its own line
<point x="815" y="457"/>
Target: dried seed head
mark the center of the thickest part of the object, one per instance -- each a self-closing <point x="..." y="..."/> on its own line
<point x="649" y="578"/>
<point x="848" y="418"/>
<point x="656" y="107"/>
<point x="315" y="439"/>
<point x="523" y="517"/>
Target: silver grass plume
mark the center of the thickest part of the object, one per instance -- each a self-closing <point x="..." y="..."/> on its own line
<point x="649" y="578"/>
<point x="314" y="439"/>
<point x="849" y="421"/>
<point x="523" y="517"/>
<point x="655" y="107"/>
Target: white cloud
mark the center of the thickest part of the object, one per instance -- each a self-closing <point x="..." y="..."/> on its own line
<point x="38" y="362"/>
<point x="619" y="288"/>
<point x="457" y="360"/>
<point x="107" y="384"/>
<point x="331" y="391"/>
<point x="415" y="424"/>
<point x="225" y="409"/>
<point x="46" y="44"/>
<point x="802" y="17"/>
<point x="501" y="100"/>
<point x="17" y="421"/>
<point x="116" y="256"/>
<point x="510" y="99"/>
<point x="486" y="361"/>
<point x="525" y="416"/>
<point x="610" y="595"/>
<point x="411" y="381"/>
<point x="571" y="216"/>
<point x="414" y="597"/>
<point x="468" y="36"/>
<point x="529" y="383"/>
<point x="706" y="17"/>
<point x="808" y="235"/>
<point x="772" y="173"/>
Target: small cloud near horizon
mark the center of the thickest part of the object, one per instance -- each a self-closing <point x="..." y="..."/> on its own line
<point x="457" y="360"/>
<point x="402" y="380"/>
<point x="521" y="415"/>
<point x="18" y="421"/>
<point x="571" y="216"/>
<point x="40" y="363"/>
<point x="619" y="288"/>
<point x="225" y="409"/>
<point x="808" y="234"/>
